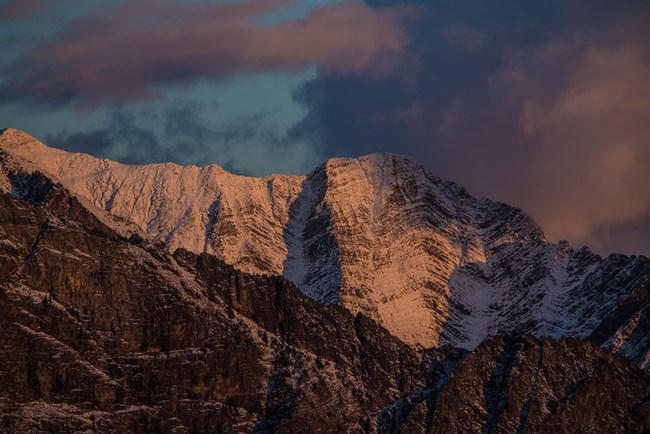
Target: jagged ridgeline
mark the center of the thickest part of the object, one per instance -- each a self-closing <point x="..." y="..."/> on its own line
<point x="379" y="235"/>
<point x="141" y="298"/>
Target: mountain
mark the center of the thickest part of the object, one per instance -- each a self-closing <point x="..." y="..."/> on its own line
<point x="104" y="330"/>
<point x="379" y="235"/>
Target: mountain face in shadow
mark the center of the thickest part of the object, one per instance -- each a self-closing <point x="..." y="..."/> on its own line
<point x="104" y="329"/>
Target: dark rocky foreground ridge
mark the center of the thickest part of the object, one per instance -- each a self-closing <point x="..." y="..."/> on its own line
<point x="379" y="235"/>
<point x="105" y="333"/>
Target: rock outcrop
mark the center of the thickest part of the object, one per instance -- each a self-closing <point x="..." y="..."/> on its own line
<point x="103" y="330"/>
<point x="378" y="235"/>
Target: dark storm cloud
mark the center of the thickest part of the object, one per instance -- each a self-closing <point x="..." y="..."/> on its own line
<point x="180" y="132"/>
<point x="542" y="104"/>
<point x="126" y="52"/>
<point x="120" y="138"/>
<point x="184" y="122"/>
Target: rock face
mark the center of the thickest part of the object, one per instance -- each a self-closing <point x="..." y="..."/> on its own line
<point x="378" y="235"/>
<point x="103" y="330"/>
<point x="103" y="333"/>
<point x="518" y="385"/>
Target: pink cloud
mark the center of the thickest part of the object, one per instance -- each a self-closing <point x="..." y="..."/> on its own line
<point x="14" y="9"/>
<point x="563" y="131"/>
<point x="123" y="54"/>
<point x="591" y="138"/>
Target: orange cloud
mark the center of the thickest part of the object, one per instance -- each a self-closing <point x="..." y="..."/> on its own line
<point x="124" y="54"/>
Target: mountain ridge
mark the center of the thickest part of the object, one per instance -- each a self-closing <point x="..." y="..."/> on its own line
<point x="379" y="235"/>
<point x="100" y="333"/>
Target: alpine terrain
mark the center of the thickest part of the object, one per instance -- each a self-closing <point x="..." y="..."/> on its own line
<point x="366" y="296"/>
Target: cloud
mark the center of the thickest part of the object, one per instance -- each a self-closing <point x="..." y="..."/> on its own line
<point x="544" y="107"/>
<point x="128" y="51"/>
<point x="627" y="237"/>
<point x="464" y="37"/>
<point x="16" y="9"/>
<point x="180" y="131"/>
<point x="121" y="138"/>
<point x="589" y="168"/>
<point x="540" y="104"/>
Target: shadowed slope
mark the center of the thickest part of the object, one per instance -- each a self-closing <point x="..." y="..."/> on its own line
<point x="378" y="235"/>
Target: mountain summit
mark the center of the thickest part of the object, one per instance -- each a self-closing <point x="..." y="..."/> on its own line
<point x="104" y="329"/>
<point x="379" y="235"/>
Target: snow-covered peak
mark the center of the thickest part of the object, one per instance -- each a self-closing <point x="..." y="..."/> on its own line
<point x="378" y="234"/>
<point x="378" y="159"/>
<point x="11" y="138"/>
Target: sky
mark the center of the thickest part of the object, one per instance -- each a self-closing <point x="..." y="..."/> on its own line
<point x="543" y="105"/>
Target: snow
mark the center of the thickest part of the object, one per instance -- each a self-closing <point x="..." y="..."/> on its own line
<point x="295" y="268"/>
<point x="378" y="234"/>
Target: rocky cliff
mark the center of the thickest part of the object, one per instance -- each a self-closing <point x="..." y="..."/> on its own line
<point x="103" y="330"/>
<point x="378" y="235"/>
